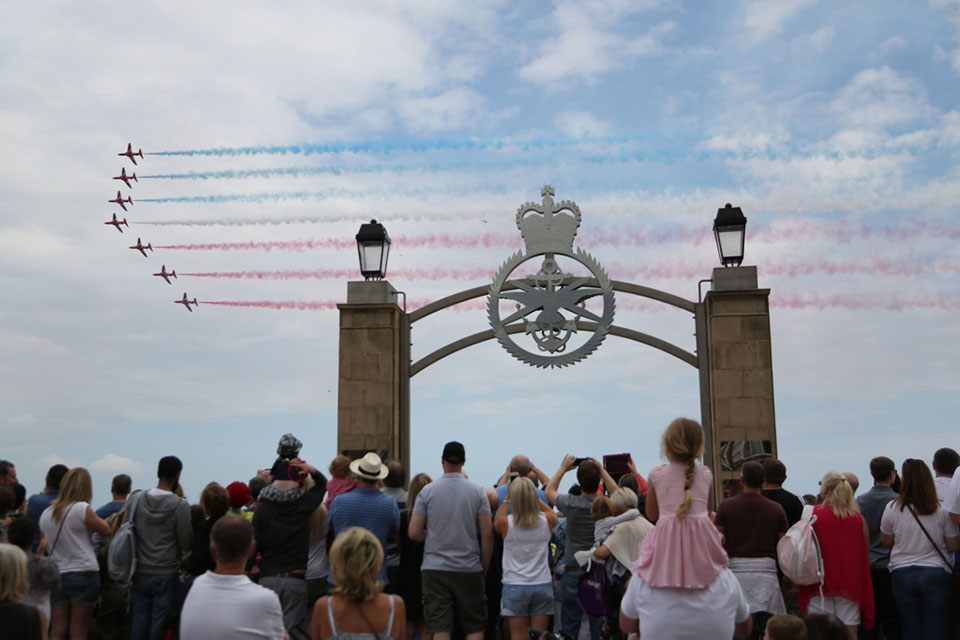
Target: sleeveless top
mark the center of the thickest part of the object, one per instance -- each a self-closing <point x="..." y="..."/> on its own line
<point x="685" y="552"/>
<point x="20" y="621"/>
<point x="344" y="635"/>
<point x="69" y="545"/>
<point x="525" y="559"/>
<point x="846" y="568"/>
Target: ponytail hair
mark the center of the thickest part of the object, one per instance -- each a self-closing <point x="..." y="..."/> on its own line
<point x="683" y="442"/>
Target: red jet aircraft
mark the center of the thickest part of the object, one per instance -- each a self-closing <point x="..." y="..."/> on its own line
<point x="129" y="153"/>
<point x="187" y="303"/>
<point x="117" y="223"/>
<point x="166" y="275"/>
<point x="140" y="247"/>
<point x="126" y="179"/>
<point x="120" y="201"/>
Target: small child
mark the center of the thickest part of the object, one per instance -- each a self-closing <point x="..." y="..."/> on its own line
<point x="287" y="450"/>
<point x="603" y="519"/>
<point x="784" y="626"/>
<point x="43" y="572"/>
<point x="341" y="482"/>
<point x="685" y="550"/>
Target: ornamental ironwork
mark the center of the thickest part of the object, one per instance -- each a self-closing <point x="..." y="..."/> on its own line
<point x="550" y="302"/>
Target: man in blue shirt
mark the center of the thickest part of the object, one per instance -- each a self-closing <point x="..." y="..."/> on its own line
<point x="366" y="506"/>
<point x="120" y="488"/>
<point x="38" y="502"/>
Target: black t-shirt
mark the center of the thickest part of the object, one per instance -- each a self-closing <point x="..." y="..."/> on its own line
<point x="792" y="505"/>
<point x="20" y="621"/>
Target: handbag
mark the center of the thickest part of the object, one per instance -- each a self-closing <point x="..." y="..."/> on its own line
<point x="590" y="592"/>
<point x="953" y="569"/>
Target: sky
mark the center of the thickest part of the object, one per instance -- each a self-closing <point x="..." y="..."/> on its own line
<point x="271" y="132"/>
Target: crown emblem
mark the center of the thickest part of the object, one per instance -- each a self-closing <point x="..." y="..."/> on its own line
<point x="548" y="227"/>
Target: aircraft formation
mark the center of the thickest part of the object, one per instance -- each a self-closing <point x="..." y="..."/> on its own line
<point x="140" y="246"/>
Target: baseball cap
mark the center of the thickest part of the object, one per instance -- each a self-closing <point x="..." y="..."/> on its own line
<point x="453" y="453"/>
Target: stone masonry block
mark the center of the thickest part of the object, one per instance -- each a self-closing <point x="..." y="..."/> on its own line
<point x="728" y="384"/>
<point x="745" y="412"/>
<point x="755" y="327"/>
<point x="725" y="328"/>
<point x="758" y="383"/>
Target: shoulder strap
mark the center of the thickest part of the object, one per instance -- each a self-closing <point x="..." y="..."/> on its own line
<point x="389" y="619"/>
<point x="922" y="528"/>
<point x="62" y="522"/>
<point x="333" y="620"/>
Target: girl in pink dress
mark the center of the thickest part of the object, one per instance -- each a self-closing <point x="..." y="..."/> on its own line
<point x="685" y="550"/>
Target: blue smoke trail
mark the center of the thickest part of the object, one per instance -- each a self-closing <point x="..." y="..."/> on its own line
<point x="389" y="146"/>
<point x="671" y="146"/>
<point x="329" y="193"/>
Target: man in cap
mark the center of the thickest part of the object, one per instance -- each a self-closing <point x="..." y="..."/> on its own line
<point x="446" y="517"/>
<point x="366" y="506"/>
<point x="281" y="527"/>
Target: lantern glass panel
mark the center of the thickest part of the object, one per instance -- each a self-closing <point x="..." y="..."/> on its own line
<point x="731" y="244"/>
<point x="370" y="256"/>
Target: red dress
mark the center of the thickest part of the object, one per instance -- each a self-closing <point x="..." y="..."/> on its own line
<point x="846" y="568"/>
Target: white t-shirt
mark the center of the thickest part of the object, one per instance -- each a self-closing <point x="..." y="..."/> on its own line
<point x="73" y="549"/>
<point x="942" y="484"/>
<point x="222" y="607"/>
<point x="910" y="546"/>
<point x="687" y="614"/>
<point x="951" y="502"/>
<point x="525" y="559"/>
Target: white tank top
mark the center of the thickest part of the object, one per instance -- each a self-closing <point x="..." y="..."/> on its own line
<point x="525" y="553"/>
<point x="73" y="550"/>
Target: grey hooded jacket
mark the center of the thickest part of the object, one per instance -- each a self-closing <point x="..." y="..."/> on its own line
<point x="164" y="533"/>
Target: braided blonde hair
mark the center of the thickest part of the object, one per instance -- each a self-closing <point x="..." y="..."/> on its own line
<point x="683" y="442"/>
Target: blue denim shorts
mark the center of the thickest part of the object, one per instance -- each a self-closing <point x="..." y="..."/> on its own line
<point x="527" y="600"/>
<point x="79" y="588"/>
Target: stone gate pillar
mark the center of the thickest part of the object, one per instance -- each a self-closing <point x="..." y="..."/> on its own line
<point x="740" y="376"/>
<point x="374" y="383"/>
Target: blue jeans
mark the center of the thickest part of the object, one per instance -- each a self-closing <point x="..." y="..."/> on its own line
<point x="154" y="596"/>
<point x="924" y="600"/>
<point x="570" y="614"/>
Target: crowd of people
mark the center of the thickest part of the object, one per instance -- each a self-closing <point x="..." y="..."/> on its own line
<point x="366" y="555"/>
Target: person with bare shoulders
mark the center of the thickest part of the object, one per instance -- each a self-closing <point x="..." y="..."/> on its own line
<point x="67" y="523"/>
<point x="357" y="608"/>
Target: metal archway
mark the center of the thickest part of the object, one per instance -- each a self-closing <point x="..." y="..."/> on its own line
<point x="624" y="287"/>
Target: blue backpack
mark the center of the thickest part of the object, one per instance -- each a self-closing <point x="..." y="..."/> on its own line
<point x="122" y="554"/>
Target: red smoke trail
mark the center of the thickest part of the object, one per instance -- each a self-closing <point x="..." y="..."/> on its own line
<point x="282" y="245"/>
<point x="303" y="305"/>
<point x="851" y="302"/>
<point x="861" y="302"/>
<point x="661" y="270"/>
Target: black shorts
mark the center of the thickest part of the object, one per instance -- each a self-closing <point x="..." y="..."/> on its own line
<point x="449" y="593"/>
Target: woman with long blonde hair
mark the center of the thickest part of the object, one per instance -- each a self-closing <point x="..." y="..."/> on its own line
<point x="67" y="523"/>
<point x="318" y="562"/>
<point x="18" y="620"/>
<point x="357" y="607"/>
<point x="847" y="590"/>
<point x="525" y="522"/>
<point x="684" y="551"/>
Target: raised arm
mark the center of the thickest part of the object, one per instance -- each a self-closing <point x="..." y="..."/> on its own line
<point x="652" y="508"/>
<point x="608" y="482"/>
<point x="554" y="484"/>
<point x="501" y="523"/>
<point x="551" y="515"/>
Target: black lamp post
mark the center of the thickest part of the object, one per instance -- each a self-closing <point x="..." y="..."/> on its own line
<point x="373" y="244"/>
<point x="730" y="227"/>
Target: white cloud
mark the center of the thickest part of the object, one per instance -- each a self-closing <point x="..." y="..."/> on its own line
<point x="581" y="123"/>
<point x="112" y="463"/>
<point x="766" y="17"/>
<point x="817" y="42"/>
<point x="587" y="43"/>
<point x="881" y="97"/>
<point x="22" y="418"/>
